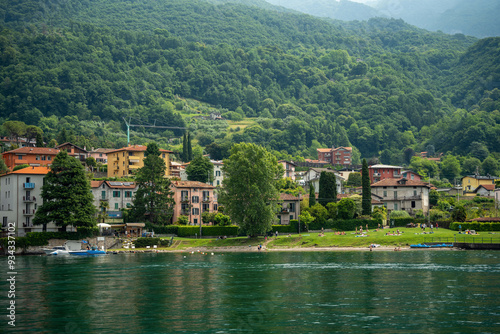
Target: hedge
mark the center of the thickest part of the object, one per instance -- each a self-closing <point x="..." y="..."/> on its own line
<point x="476" y="226"/>
<point x="42" y="238"/>
<point x="143" y="242"/>
<point x="402" y="222"/>
<point x="345" y="225"/>
<point x="189" y="231"/>
<point x="168" y="229"/>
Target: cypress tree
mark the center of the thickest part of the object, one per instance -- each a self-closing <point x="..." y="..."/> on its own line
<point x="312" y="195"/>
<point x="189" y="147"/>
<point x="327" y="188"/>
<point x="184" y="148"/>
<point x="367" y="191"/>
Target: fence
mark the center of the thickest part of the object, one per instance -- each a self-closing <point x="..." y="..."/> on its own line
<point x="464" y="239"/>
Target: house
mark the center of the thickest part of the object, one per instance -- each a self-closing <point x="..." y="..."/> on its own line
<point x="192" y="198"/>
<point x="497" y="198"/>
<point x="411" y="175"/>
<point x="382" y="172"/>
<point x="117" y="196"/>
<point x="313" y="174"/>
<point x="453" y="191"/>
<point x="345" y="172"/>
<point x="20" y="142"/>
<point x="100" y="155"/>
<point x="485" y="190"/>
<point x="175" y="169"/>
<point x="289" y="168"/>
<point x="290" y="208"/>
<point x="402" y="194"/>
<point x="74" y="151"/>
<point x="20" y="197"/>
<point x="218" y="172"/>
<point x="33" y="156"/>
<point x="125" y="161"/>
<point x="340" y="156"/>
<point x="471" y="182"/>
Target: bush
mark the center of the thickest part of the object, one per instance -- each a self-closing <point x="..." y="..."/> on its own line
<point x="143" y="242"/>
<point x="42" y="238"/>
<point x="346" y="224"/>
<point x="402" y="222"/>
<point x="399" y="214"/>
<point x="188" y="231"/>
<point x="168" y="229"/>
<point x="476" y="226"/>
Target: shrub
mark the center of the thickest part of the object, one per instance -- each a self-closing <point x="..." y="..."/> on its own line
<point x="399" y="214"/>
<point x="476" y="226"/>
<point x="188" y="231"/>
<point x="143" y="242"/>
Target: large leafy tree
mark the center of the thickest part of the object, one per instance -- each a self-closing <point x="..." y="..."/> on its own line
<point x="250" y="192"/>
<point x="327" y="188"/>
<point x="66" y="193"/>
<point x="200" y="169"/>
<point x="366" y="188"/>
<point x="153" y="200"/>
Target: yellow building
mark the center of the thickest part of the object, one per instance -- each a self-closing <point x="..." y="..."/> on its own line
<point x="471" y="182"/>
<point x="124" y="161"/>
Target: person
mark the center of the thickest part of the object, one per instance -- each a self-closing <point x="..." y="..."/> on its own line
<point x="460" y="228"/>
<point x="276" y="234"/>
<point x="437" y="226"/>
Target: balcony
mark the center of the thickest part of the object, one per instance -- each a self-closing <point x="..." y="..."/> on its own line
<point x="134" y="159"/>
<point x="206" y="199"/>
<point x="284" y="210"/>
<point x="27" y="224"/>
<point x="29" y="199"/>
<point x="397" y="175"/>
<point x="29" y="185"/>
<point x="185" y="199"/>
<point x="28" y="212"/>
<point x="376" y="174"/>
<point x="134" y="166"/>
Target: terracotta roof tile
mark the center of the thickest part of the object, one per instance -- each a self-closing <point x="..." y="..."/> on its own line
<point x="190" y="184"/>
<point x="33" y="150"/>
<point x="136" y="148"/>
<point x="32" y="170"/>
<point x="397" y="183"/>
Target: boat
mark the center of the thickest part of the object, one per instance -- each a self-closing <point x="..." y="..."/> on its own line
<point x="57" y="250"/>
<point x="88" y="252"/>
<point x="420" y="246"/>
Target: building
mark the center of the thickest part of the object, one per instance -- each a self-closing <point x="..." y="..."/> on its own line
<point x="33" y="156"/>
<point x="175" y="169"/>
<point x="382" y="172"/>
<point x="485" y="190"/>
<point x="100" y="155"/>
<point x="289" y="168"/>
<point x="290" y="208"/>
<point x="313" y="174"/>
<point x="192" y="198"/>
<point x="411" y="175"/>
<point x="402" y="194"/>
<point x="20" y="197"/>
<point x="74" y="151"/>
<point x="125" y="161"/>
<point x="218" y="172"/>
<point x="471" y="182"/>
<point x="117" y="196"/>
<point x="340" y="156"/>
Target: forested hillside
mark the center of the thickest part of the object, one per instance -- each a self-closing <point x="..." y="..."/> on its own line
<point x="299" y="82"/>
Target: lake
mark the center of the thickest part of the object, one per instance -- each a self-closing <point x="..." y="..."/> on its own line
<point x="276" y="292"/>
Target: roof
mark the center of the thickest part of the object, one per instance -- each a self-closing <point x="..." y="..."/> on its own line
<point x="33" y="150"/>
<point x="191" y="184"/>
<point x="479" y="177"/>
<point x="70" y="144"/>
<point x="316" y="161"/>
<point x="347" y="148"/>
<point x="485" y="219"/>
<point x="136" y="148"/>
<point x="399" y="183"/>
<point x="288" y="197"/>
<point x="288" y="162"/>
<point x="114" y="184"/>
<point x="489" y="187"/>
<point x="385" y="166"/>
<point x="324" y="150"/>
<point x="328" y="170"/>
<point x="102" y="150"/>
<point x="31" y="171"/>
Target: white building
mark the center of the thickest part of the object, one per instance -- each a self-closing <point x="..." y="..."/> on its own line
<point x="313" y="174"/>
<point x="218" y="173"/>
<point x="403" y="194"/>
<point x="118" y="195"/>
<point x="20" y="197"/>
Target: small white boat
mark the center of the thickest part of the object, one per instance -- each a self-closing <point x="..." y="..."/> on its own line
<point x="57" y="250"/>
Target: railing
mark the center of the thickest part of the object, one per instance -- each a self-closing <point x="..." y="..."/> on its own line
<point x="28" y="212"/>
<point x="206" y="199"/>
<point x="464" y="239"/>
<point x="27" y="224"/>
<point x="29" y="185"/>
<point x="185" y="199"/>
<point x="29" y="199"/>
<point x="376" y="174"/>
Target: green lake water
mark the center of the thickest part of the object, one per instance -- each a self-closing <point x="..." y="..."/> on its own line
<point x="280" y="292"/>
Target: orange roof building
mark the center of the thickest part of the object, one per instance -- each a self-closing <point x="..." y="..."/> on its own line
<point x="124" y="161"/>
<point x="33" y="156"/>
<point x="192" y="198"/>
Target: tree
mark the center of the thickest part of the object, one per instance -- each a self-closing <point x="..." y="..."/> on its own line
<point x="249" y="194"/>
<point x="15" y="129"/>
<point x="459" y="214"/>
<point x="319" y="212"/>
<point x="153" y="200"/>
<point x="67" y="196"/>
<point x="327" y="188"/>
<point x="200" y="169"/>
<point x="433" y="197"/>
<point x="32" y="132"/>
<point x="346" y="208"/>
<point x="354" y="179"/>
<point x="380" y="212"/>
<point x="367" y="191"/>
<point x="90" y="162"/>
<point x="490" y="166"/>
<point x="39" y="140"/>
<point x="471" y="165"/>
<point x="312" y="195"/>
<point x="185" y="155"/>
<point x="450" y="167"/>
<point x="3" y="167"/>
<point x="189" y="147"/>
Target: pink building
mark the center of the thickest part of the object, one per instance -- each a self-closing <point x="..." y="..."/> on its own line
<point x="340" y="156"/>
<point x="192" y="198"/>
<point x="382" y="172"/>
<point x="289" y="168"/>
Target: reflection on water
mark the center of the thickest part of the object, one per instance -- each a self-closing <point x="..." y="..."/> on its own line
<point x="319" y="292"/>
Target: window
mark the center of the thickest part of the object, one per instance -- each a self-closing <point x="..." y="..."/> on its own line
<point x="103" y="194"/>
<point x="4" y="220"/>
<point x="116" y="206"/>
<point x="20" y="157"/>
<point x="184" y="209"/>
<point x="196" y="211"/>
<point x="37" y="157"/>
<point x="129" y="205"/>
<point x="414" y="193"/>
<point x="184" y="195"/>
<point x="292" y="207"/>
<point x="217" y="173"/>
<point x="163" y="155"/>
<point x="395" y="194"/>
<point x="215" y="207"/>
<point x="116" y="193"/>
<point x="28" y="180"/>
<point x="206" y="207"/>
<point x="413" y="204"/>
<point x="206" y="196"/>
<point x="43" y="157"/>
<point x="395" y="206"/>
<point x="128" y="193"/>
<point x="385" y="193"/>
<point x="195" y="199"/>
<point x="49" y="157"/>
<point x="218" y="182"/>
